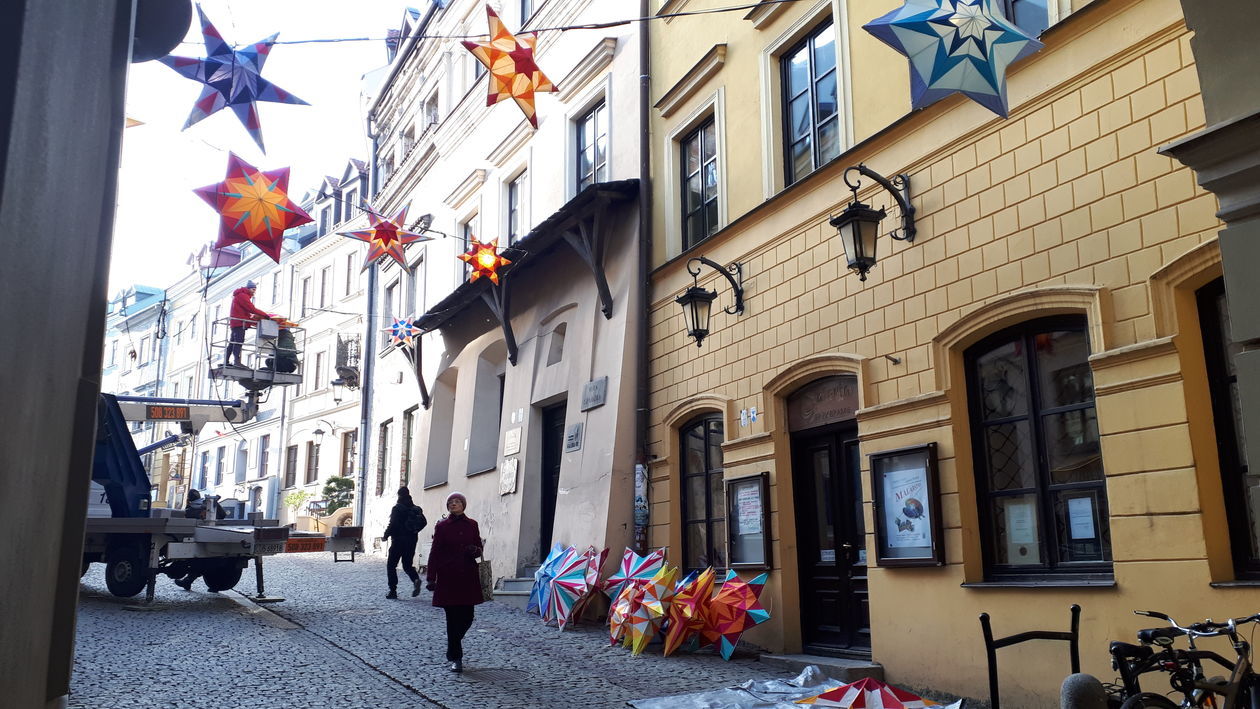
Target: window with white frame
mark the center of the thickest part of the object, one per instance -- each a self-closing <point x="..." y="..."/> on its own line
<point x="517" y="207"/>
<point x="325" y="220"/>
<point x="699" y="184"/>
<point x="811" y="108"/>
<point x="592" y="146"/>
<point x="349" y="274"/>
<point x="264" y="454"/>
<point x="389" y="311"/>
<point x="527" y="11"/>
<point x="319" y="382"/>
<point x="352" y="204"/>
<point x="275" y="288"/>
<point x="325" y="286"/>
<point x="470" y="229"/>
<point x="431" y="111"/>
<point x="306" y="295"/>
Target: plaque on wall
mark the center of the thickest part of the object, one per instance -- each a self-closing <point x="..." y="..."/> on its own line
<point x="827" y="400"/>
<point x="512" y="441"/>
<point x="594" y="393"/>
<point x="573" y="438"/>
<point x="507" y="476"/>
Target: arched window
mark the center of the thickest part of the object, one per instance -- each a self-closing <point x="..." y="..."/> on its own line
<point x="703" y="497"/>
<point x="1040" y="486"/>
<point x="1241" y="487"/>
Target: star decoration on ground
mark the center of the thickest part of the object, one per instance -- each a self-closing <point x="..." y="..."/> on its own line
<point x="513" y="72"/>
<point x="231" y="78"/>
<point x="387" y="237"/>
<point x="484" y="259"/>
<point x="253" y="206"/>
<point x="402" y="333"/>
<point x="955" y="45"/>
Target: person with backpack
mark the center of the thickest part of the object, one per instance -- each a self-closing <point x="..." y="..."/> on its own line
<point x="406" y="520"/>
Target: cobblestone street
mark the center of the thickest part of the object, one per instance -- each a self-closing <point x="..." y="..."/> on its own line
<point x="336" y="641"/>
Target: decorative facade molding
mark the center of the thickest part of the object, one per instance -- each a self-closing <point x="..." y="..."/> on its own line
<point x="688" y="408"/>
<point x="515" y="140"/>
<point x="589" y="67"/>
<point x="466" y="189"/>
<point x="1226" y="160"/>
<point x="807" y="369"/>
<point x="690" y="83"/>
<point x="765" y="12"/>
<point x="1191" y="270"/>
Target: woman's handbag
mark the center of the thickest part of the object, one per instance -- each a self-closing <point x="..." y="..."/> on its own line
<point x="486" y="575"/>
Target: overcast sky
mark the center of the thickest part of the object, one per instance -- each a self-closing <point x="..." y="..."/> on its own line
<point x="159" y="219"/>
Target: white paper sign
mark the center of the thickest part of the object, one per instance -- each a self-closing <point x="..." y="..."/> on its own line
<point x="748" y="509"/>
<point x="1019" y="523"/>
<point x="512" y="441"/>
<point x="905" y="512"/>
<point x="1081" y="518"/>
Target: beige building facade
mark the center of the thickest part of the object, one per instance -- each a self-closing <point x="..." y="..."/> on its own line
<point x="1053" y="332"/>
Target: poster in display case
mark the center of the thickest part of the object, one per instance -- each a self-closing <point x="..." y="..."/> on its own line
<point x="748" y="521"/>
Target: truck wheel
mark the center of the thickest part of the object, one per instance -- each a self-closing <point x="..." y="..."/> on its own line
<point x="126" y="572"/>
<point x="222" y="576"/>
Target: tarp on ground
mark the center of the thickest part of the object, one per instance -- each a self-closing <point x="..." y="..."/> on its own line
<point x="753" y="694"/>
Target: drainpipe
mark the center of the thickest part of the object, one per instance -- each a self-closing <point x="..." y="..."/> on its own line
<point x="366" y="363"/>
<point x="645" y="254"/>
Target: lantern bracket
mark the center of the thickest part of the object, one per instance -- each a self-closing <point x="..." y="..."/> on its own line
<point x="898" y="187"/>
<point x="733" y="273"/>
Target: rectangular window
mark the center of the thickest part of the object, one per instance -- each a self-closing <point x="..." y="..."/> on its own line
<point x="431" y="115"/>
<point x="325" y="220"/>
<point x="527" y="11"/>
<point x="175" y="390"/>
<point x="192" y="394"/>
<point x="811" y="109"/>
<point x="264" y="454"/>
<point x="349" y="443"/>
<point x="306" y="295"/>
<point x="592" y="147"/>
<point x="219" y="454"/>
<point x="382" y="456"/>
<point x="113" y="353"/>
<point x="467" y="232"/>
<point x="290" y="466"/>
<point x="1031" y="16"/>
<point x="408" y="434"/>
<point x="275" y="287"/>
<point x="349" y="274"/>
<point x="352" y="204"/>
<point x="389" y="306"/>
<point x="144" y="350"/>
<point x="203" y="474"/>
<point x="518" y="203"/>
<point x="325" y="286"/>
<point x="699" y="185"/>
<point x="312" y="462"/>
<point x="319" y="382"/>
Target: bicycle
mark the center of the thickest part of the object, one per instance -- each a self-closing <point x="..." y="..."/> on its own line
<point x="1185" y="667"/>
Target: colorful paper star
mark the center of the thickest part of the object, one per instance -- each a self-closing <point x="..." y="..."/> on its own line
<point x="402" y="332"/>
<point x="955" y="45"/>
<point x="513" y="73"/>
<point x="231" y="78"/>
<point x="254" y="206"/>
<point x="735" y="608"/>
<point x="387" y="237"/>
<point x="484" y="259"/>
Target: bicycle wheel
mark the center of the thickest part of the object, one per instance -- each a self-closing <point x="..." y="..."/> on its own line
<point x="1149" y="700"/>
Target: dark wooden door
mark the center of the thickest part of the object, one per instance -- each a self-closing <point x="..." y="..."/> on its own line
<point x="831" y="532"/>
<point x="552" y="454"/>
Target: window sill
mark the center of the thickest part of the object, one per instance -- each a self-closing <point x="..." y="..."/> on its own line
<point x="482" y="472"/>
<point x="434" y="486"/>
<point x="1239" y="583"/>
<point x="1052" y="583"/>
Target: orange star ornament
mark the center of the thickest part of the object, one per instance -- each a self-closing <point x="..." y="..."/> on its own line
<point x="485" y="260"/>
<point x="253" y="206"/>
<point x="513" y="73"/>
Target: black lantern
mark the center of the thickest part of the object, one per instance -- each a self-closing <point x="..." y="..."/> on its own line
<point x="697" y="302"/>
<point x="858" y="224"/>
<point x="338" y="389"/>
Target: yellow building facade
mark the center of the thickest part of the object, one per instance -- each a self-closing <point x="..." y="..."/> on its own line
<point x="1050" y="330"/>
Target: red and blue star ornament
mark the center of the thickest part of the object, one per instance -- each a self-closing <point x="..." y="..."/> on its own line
<point x="513" y="72"/>
<point x="955" y="46"/>
<point x="403" y="332"/>
<point x="484" y="258"/>
<point x="387" y="237"/>
<point x="230" y="77"/>
<point x="253" y="206"/>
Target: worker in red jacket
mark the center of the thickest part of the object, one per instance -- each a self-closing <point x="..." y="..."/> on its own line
<point x="244" y="315"/>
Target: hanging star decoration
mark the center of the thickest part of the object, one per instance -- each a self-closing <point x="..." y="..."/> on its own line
<point x="387" y="237"/>
<point x="955" y="45"/>
<point x="403" y="332"/>
<point x="484" y="258"/>
<point x="513" y="72"/>
<point x="231" y="78"/>
<point x="254" y="206"/>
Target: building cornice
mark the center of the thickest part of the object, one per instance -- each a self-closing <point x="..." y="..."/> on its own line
<point x="690" y="83"/>
<point x="466" y="189"/>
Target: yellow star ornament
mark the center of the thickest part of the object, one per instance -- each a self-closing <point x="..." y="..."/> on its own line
<point x="485" y="260"/>
<point x="513" y="73"/>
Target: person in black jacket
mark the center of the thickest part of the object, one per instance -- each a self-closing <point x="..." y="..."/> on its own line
<point x="405" y="522"/>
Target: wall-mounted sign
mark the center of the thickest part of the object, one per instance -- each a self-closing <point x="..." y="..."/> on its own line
<point x="907" y="513"/>
<point x="507" y="476"/>
<point x="748" y="509"/>
<point x="512" y="441"/>
<point x="827" y="400"/>
<point x="573" y="438"/>
<point x="594" y="393"/>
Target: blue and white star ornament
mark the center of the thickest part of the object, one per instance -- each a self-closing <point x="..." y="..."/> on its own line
<point x="403" y="333"/>
<point x="955" y="45"/>
<point x="230" y="77"/>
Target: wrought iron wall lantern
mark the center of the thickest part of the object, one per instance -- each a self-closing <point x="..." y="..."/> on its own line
<point x="858" y="224"/>
<point x="697" y="302"/>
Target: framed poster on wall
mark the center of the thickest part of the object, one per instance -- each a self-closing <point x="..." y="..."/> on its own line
<point x="907" y="507"/>
<point x="748" y="521"/>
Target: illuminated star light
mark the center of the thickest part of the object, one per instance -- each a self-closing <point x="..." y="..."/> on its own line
<point x="955" y="46"/>
<point x="253" y="206"/>
<point x="231" y="78"/>
<point x="387" y="238"/>
<point x="402" y="332"/>
<point x="513" y="72"/>
<point x="484" y="259"/>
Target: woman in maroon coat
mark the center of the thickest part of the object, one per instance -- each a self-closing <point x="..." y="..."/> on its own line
<point x="452" y="574"/>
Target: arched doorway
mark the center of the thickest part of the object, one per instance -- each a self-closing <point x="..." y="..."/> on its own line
<point x="831" y="533"/>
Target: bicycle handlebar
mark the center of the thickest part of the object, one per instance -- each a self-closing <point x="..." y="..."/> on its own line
<point x="1204" y="629"/>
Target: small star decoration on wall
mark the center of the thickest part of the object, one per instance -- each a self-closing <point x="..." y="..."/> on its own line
<point x="955" y="45"/>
